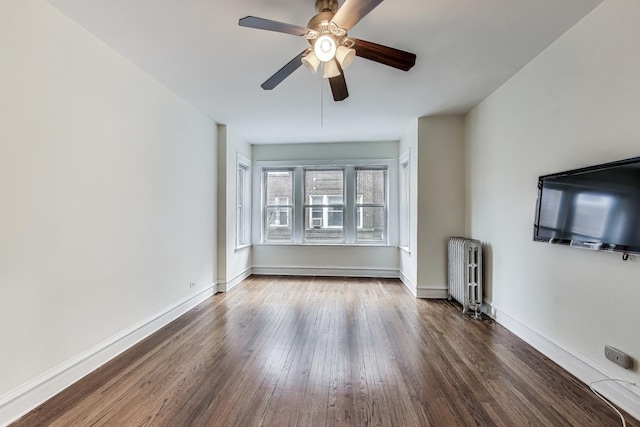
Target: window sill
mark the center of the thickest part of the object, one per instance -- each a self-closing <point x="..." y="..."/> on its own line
<point x="242" y="247"/>
<point x="331" y="245"/>
<point x="405" y="249"/>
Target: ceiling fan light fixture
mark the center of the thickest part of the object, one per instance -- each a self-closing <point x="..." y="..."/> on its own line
<point x="311" y="62"/>
<point x="331" y="70"/>
<point x="325" y="48"/>
<point x="345" y="56"/>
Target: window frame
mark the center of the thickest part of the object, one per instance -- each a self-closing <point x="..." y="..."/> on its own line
<point x="359" y="213"/>
<point x="324" y="207"/>
<point x="265" y="206"/>
<point x="243" y="202"/>
<point x="349" y="194"/>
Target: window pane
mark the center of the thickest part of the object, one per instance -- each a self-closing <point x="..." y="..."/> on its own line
<point x="371" y="224"/>
<point x="324" y="224"/>
<point x="335" y="200"/>
<point x="240" y="224"/>
<point x="334" y="217"/>
<point x="316" y="219"/>
<point x="243" y="217"/>
<point x="315" y="200"/>
<point x="240" y="215"/>
<point x="370" y="186"/>
<point x="278" y="225"/>
<point x="323" y="183"/>
<point x="279" y="187"/>
<point x="283" y="217"/>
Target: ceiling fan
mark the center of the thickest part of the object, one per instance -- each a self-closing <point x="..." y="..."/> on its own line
<point x="331" y="45"/>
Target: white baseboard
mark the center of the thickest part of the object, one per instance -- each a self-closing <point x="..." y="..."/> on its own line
<point x="433" y="293"/>
<point x="23" y="399"/>
<point x="582" y="368"/>
<point x="328" y="271"/>
<point x="424" y="292"/>
<point x="227" y="286"/>
<point x="408" y="283"/>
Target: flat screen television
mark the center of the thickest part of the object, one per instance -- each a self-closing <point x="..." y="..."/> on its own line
<point x="596" y="207"/>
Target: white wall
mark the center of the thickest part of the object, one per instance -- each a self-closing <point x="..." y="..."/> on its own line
<point x="319" y="260"/>
<point x="107" y="194"/>
<point x="326" y="259"/>
<point x="437" y="204"/>
<point x="327" y="151"/>
<point x="234" y="264"/>
<point x="575" y="105"/>
<point x="441" y="200"/>
<point x="408" y="261"/>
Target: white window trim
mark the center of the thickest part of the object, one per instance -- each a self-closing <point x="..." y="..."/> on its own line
<point x="244" y="163"/>
<point x="298" y="202"/>
<point x="405" y="159"/>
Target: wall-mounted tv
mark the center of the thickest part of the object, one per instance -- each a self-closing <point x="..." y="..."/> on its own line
<point x="596" y="207"/>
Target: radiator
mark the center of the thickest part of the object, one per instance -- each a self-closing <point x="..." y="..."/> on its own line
<point x="465" y="273"/>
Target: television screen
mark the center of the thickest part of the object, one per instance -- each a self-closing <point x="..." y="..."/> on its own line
<point x="595" y="208"/>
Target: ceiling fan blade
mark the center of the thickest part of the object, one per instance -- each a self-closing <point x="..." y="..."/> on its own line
<point x="339" y="86"/>
<point x="284" y="72"/>
<point x="385" y="55"/>
<point x="352" y="11"/>
<point x="267" y="24"/>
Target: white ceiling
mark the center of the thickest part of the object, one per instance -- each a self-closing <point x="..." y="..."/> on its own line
<point x="465" y="50"/>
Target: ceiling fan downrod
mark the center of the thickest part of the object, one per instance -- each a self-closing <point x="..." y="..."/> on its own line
<point x="327" y="6"/>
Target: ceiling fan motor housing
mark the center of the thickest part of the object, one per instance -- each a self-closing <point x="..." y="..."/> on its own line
<point x="320" y="22"/>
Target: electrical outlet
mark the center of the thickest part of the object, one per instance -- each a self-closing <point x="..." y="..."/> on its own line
<point x="192" y="284"/>
<point x="618" y="357"/>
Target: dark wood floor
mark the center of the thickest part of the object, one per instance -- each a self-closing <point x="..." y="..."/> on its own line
<point x="318" y="352"/>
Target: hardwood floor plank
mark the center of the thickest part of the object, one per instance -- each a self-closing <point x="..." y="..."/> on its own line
<point x="300" y="351"/>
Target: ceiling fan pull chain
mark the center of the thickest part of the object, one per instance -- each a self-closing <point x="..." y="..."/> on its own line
<point x="322" y="102"/>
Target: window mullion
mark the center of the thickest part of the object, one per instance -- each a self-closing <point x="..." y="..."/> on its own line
<point x="350" y="205"/>
<point x="298" y="205"/>
<point x="263" y="230"/>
